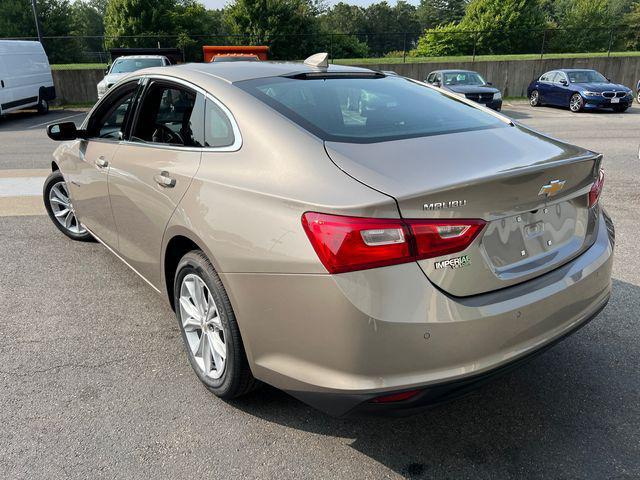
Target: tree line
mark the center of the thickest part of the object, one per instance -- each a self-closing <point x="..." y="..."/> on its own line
<point x="295" y="28"/>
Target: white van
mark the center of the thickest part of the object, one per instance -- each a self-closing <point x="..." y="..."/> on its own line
<point x="25" y="76"/>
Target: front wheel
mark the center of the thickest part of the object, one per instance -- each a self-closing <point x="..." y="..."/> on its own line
<point x="209" y="328"/>
<point x="638" y="96"/>
<point x="60" y="208"/>
<point x="534" y="99"/>
<point x="576" y="103"/>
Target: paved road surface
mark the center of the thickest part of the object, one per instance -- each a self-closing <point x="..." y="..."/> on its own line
<point x="96" y="384"/>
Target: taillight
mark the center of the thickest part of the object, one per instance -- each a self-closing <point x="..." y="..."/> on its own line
<point x="596" y="189"/>
<point x="346" y="244"/>
<point x="435" y="238"/>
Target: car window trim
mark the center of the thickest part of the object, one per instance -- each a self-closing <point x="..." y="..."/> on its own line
<point x="237" y="137"/>
<point x="147" y="83"/>
<point x="110" y="94"/>
<point x="142" y="79"/>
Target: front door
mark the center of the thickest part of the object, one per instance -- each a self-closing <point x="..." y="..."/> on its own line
<point x="87" y="178"/>
<point x="152" y="170"/>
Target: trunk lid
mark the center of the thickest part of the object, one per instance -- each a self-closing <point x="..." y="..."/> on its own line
<point x="496" y="175"/>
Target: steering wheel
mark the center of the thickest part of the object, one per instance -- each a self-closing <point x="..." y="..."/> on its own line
<point x="163" y="134"/>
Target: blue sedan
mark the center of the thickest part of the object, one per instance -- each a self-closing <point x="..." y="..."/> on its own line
<point x="579" y="90"/>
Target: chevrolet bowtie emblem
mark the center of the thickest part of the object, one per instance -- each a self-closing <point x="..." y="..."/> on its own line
<point x="552" y="188"/>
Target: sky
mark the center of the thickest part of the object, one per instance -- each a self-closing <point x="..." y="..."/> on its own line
<point x="364" y="3"/>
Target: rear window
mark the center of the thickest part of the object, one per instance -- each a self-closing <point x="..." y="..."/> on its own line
<point x="367" y="110"/>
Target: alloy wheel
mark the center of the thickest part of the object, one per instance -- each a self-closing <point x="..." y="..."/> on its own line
<point x="63" y="210"/>
<point x="202" y="326"/>
<point x="534" y="98"/>
<point x="575" y="104"/>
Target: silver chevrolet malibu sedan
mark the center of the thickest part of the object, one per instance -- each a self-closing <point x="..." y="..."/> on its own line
<point x="360" y="240"/>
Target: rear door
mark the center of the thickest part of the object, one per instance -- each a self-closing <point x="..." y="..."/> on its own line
<point x="153" y="169"/>
<point x="545" y="87"/>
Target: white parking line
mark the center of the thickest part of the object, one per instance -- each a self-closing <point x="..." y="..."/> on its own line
<point x="57" y="120"/>
<point x="21" y="186"/>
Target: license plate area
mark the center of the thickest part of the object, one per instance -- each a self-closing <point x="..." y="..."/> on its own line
<point x="615" y="100"/>
<point x="517" y="245"/>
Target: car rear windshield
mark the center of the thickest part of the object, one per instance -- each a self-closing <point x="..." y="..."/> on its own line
<point x="367" y="109"/>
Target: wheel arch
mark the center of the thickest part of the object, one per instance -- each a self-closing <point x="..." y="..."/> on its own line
<point x="180" y="241"/>
<point x="54" y="166"/>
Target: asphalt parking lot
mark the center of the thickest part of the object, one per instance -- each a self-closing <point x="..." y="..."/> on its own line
<point x="96" y="385"/>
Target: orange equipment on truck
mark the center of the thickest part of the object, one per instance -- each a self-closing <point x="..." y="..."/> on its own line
<point x="213" y="51"/>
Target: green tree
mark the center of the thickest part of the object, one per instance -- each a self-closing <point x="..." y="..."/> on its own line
<point x="16" y="19"/>
<point x="152" y="19"/>
<point x="340" y="25"/>
<point x="489" y="27"/>
<point x="585" y="26"/>
<point x="387" y="26"/>
<point x="432" y="13"/>
<point x="88" y="25"/>
<point x="284" y="25"/>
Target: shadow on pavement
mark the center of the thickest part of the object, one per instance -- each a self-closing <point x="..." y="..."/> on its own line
<point x="567" y="414"/>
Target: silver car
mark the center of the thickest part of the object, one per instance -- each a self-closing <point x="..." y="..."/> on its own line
<point x="363" y="241"/>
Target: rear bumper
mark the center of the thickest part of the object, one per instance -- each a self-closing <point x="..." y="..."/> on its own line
<point x="336" y="342"/>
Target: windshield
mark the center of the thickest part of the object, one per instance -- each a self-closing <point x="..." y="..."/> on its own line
<point x="463" y="78"/>
<point x="124" y="65"/>
<point x="367" y="109"/>
<point x="586" y="76"/>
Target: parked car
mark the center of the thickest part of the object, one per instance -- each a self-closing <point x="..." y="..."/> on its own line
<point x="578" y="89"/>
<point x="638" y="90"/>
<point x="127" y="64"/>
<point x="467" y="83"/>
<point x="378" y="258"/>
<point x="25" y="76"/>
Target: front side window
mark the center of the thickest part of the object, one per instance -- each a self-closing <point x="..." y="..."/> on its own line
<point x="170" y="115"/>
<point x="367" y="109"/>
<point x="108" y="121"/>
<point x="586" y="76"/>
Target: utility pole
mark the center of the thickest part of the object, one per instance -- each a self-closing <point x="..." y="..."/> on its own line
<point x="34" y="6"/>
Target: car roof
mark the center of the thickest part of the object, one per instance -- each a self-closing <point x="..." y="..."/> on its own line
<point x="454" y="71"/>
<point x="238" y="71"/>
<point x="140" y="56"/>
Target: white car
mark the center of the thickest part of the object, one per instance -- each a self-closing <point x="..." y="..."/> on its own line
<point x="25" y="76"/>
<point x="123" y="65"/>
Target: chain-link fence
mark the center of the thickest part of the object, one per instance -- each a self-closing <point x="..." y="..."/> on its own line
<point x="74" y="51"/>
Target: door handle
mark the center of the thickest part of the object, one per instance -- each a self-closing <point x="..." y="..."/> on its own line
<point x="164" y="180"/>
<point x="101" y="162"/>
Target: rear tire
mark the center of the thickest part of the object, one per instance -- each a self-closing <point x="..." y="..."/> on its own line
<point x="43" y="106"/>
<point x="60" y="209"/>
<point x="209" y="329"/>
<point x="576" y="103"/>
<point x="534" y="99"/>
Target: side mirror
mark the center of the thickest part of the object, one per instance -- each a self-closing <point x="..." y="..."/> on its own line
<point x="564" y="82"/>
<point x="489" y="83"/>
<point x="436" y="83"/>
<point x="61" y="132"/>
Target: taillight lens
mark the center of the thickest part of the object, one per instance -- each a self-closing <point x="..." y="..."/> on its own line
<point x="346" y="244"/>
<point x="396" y="397"/>
<point x="596" y="189"/>
<point x="435" y="238"/>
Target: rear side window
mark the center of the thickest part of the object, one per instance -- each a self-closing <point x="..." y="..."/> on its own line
<point x="170" y="115"/>
<point x="218" y="129"/>
<point x="367" y="109"/>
